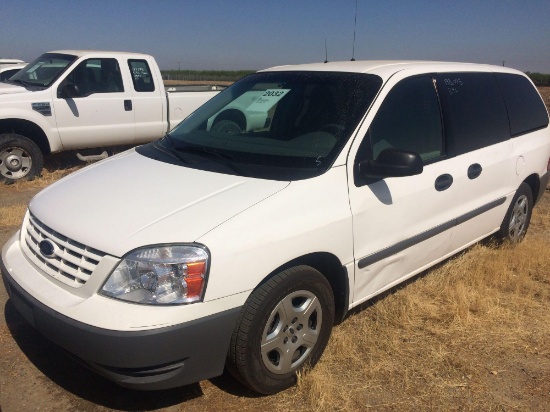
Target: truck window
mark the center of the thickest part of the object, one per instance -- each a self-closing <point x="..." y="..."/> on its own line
<point x="408" y="119"/>
<point x="96" y="76"/>
<point x="141" y="76"/>
<point x="526" y="109"/>
<point x="474" y="113"/>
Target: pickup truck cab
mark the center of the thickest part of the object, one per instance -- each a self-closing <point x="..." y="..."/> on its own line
<point x="9" y="68"/>
<point x="68" y="100"/>
<point x="214" y="247"/>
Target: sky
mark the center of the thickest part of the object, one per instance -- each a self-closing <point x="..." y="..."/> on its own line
<point x="235" y="34"/>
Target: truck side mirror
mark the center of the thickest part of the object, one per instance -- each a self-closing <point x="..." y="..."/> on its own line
<point x="69" y="90"/>
<point x="392" y="163"/>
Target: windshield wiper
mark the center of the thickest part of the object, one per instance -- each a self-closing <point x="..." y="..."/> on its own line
<point x="24" y="83"/>
<point x="169" y="152"/>
<point x="222" y="158"/>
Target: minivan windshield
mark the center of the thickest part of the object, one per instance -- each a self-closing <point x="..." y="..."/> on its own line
<point x="43" y="71"/>
<point x="274" y="125"/>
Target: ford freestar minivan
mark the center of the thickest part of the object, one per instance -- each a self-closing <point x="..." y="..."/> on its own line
<point x="244" y="234"/>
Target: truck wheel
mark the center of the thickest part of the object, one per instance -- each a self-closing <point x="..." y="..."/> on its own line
<point x="517" y="218"/>
<point x="20" y="158"/>
<point x="284" y="326"/>
<point x="226" y="126"/>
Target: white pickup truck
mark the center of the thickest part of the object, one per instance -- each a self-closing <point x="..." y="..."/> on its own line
<point x="71" y="100"/>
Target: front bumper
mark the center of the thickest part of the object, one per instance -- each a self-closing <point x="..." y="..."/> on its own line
<point x="150" y="359"/>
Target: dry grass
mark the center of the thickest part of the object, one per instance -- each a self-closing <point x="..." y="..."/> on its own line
<point x="457" y="338"/>
<point x="545" y="93"/>
<point x="12" y="215"/>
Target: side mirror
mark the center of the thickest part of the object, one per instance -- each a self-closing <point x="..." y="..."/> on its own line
<point x="69" y="90"/>
<point x="392" y="163"/>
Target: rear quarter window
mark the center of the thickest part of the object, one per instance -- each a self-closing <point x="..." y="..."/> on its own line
<point x="473" y="111"/>
<point x="526" y="109"/>
<point x="141" y="75"/>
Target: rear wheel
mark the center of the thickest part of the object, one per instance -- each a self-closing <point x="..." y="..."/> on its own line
<point x="284" y="326"/>
<point x="517" y="218"/>
<point x="20" y="158"/>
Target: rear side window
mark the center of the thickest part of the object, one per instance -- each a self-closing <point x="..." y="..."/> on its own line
<point x="526" y="109"/>
<point x="473" y="111"/>
<point x="141" y="76"/>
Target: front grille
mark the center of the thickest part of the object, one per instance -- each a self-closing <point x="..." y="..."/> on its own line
<point x="73" y="262"/>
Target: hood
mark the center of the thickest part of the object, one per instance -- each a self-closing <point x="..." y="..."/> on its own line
<point x="6" y="88"/>
<point x="130" y="201"/>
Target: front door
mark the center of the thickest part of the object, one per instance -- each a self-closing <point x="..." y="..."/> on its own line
<point x="401" y="224"/>
<point x="99" y="112"/>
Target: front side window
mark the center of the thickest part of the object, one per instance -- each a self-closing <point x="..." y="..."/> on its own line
<point x="274" y="125"/>
<point x="408" y="119"/>
<point x="96" y="76"/>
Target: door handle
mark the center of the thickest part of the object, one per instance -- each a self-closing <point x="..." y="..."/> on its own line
<point x="443" y="182"/>
<point x="474" y="171"/>
<point x="127" y="105"/>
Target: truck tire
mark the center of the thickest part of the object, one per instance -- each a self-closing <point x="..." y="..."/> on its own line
<point x="284" y="326"/>
<point x="20" y="158"/>
<point x="227" y="126"/>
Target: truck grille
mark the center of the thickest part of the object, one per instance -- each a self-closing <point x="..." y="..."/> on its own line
<point x="72" y="263"/>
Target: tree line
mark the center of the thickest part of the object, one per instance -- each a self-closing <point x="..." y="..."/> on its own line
<point x="210" y="75"/>
<point x="540" y="79"/>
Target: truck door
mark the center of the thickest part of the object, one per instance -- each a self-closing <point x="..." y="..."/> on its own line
<point x="92" y="106"/>
<point x="149" y="102"/>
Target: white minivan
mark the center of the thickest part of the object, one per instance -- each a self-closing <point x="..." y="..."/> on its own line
<point x="240" y="246"/>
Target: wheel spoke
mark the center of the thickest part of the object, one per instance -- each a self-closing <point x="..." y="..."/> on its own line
<point x="285" y="362"/>
<point x="310" y="306"/>
<point x="287" y="310"/>
<point x="309" y="337"/>
<point x="272" y="342"/>
<point x="26" y="162"/>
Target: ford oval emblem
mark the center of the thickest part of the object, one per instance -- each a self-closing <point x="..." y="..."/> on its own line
<point x="47" y="248"/>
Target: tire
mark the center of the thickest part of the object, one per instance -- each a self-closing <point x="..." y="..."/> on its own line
<point x="517" y="218"/>
<point x="226" y="126"/>
<point x="284" y="326"/>
<point x="20" y="158"/>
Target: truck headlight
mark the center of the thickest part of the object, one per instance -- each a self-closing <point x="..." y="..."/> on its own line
<point x="160" y="275"/>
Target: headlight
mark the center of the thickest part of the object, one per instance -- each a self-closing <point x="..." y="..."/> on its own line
<point x="160" y="275"/>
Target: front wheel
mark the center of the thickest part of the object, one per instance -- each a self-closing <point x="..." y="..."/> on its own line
<point x="284" y="326"/>
<point x="226" y="126"/>
<point x="517" y="218"/>
<point x="20" y="158"/>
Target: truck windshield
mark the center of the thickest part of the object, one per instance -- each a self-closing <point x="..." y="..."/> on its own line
<point x="43" y="71"/>
<point x="275" y="125"/>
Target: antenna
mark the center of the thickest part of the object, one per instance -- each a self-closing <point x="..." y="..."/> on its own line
<point x="354" y="28"/>
<point x="326" y="51"/>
